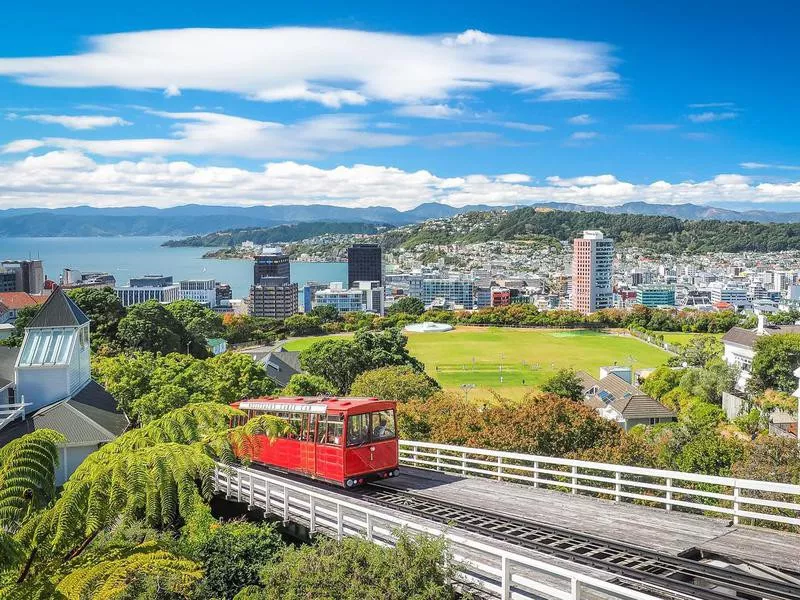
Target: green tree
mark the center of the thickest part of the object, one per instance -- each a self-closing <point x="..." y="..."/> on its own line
<point x="353" y="569"/>
<point x="698" y="351"/>
<point x="300" y="325"/>
<point x="776" y="358"/>
<point x="151" y="327"/>
<point x="661" y="381"/>
<point x="326" y="313"/>
<point x="232" y="554"/>
<point x="388" y="347"/>
<point x="306" y="384"/>
<point x="564" y="383"/>
<point x="236" y="376"/>
<point x="199" y="323"/>
<point x="337" y="360"/>
<point x="711" y="381"/>
<point x="407" y="305"/>
<point x="395" y="382"/>
<point x="156" y="404"/>
<point x="105" y="311"/>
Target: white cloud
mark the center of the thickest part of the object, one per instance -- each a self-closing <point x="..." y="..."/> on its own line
<point x="330" y="66"/>
<point x="79" y="122"/>
<point x="21" y="146"/>
<point x="171" y="91"/>
<point x="582" y="136"/>
<point x="468" y="38"/>
<point x="71" y="178"/>
<point x="331" y="98"/>
<point x="583" y="119"/>
<point x="652" y="127"/>
<point x="586" y="180"/>
<point x="710" y="117"/>
<point x="215" y="134"/>
<point x="429" y="111"/>
<point x="779" y="167"/>
<point x="713" y="105"/>
<point x="533" y="127"/>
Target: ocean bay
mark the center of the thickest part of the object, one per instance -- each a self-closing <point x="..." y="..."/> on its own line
<point x="126" y="257"/>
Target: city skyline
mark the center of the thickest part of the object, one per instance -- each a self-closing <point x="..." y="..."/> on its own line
<point x="367" y="107"/>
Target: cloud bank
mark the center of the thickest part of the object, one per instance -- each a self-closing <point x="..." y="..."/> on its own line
<point x="332" y="67"/>
<point x="69" y="178"/>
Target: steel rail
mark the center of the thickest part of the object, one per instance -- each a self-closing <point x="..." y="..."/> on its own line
<point x="646" y="566"/>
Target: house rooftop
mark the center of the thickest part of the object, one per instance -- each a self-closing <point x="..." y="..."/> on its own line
<point x="58" y="311"/>
<point x="18" y="300"/>
<point x="89" y="417"/>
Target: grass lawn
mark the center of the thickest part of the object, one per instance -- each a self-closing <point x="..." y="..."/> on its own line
<point x="513" y="361"/>
<point x="679" y="338"/>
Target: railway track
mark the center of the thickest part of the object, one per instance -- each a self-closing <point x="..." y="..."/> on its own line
<point x="664" y="575"/>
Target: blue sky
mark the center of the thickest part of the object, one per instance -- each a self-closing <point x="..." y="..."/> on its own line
<point x="382" y="103"/>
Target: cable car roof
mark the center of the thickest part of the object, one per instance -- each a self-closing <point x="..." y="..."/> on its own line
<point x="307" y="404"/>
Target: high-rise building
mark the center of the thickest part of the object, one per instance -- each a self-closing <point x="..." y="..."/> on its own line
<point x="365" y="296"/>
<point x="592" y="259"/>
<point x="456" y="290"/>
<point x="8" y="281"/>
<point x="29" y="275"/>
<point x="273" y="297"/>
<point x="203" y="291"/>
<point x="656" y="295"/>
<point x="271" y="264"/>
<point x="150" y="287"/>
<point x="364" y="263"/>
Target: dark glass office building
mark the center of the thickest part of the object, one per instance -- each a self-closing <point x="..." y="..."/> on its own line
<point x="364" y="263"/>
<point x="271" y="265"/>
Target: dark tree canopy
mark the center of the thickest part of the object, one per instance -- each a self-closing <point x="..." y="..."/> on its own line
<point x="407" y="305"/>
<point x="564" y="383"/>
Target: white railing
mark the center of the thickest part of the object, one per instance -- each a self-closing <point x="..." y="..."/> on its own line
<point x="11" y="412"/>
<point x="495" y="571"/>
<point x="735" y="498"/>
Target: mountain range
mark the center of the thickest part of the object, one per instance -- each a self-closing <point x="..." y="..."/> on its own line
<point x="195" y="219"/>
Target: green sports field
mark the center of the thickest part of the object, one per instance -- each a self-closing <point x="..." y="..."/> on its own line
<point x="513" y="361"/>
<point x="679" y="338"/>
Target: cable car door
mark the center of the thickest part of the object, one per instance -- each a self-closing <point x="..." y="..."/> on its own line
<point x="307" y="444"/>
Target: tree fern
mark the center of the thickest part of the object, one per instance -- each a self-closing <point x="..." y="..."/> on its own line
<point x="27" y="476"/>
<point x="111" y="578"/>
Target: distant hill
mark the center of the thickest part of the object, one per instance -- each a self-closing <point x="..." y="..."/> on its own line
<point x="195" y="219"/>
<point x="278" y="234"/>
<point x="656" y="233"/>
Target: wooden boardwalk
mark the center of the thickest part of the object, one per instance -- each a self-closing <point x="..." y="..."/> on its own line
<point x="671" y="532"/>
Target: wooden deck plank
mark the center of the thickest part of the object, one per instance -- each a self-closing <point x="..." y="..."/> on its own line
<point x="671" y="532"/>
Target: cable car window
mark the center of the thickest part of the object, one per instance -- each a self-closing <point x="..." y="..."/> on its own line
<point x="357" y="429"/>
<point x="383" y="425"/>
<point x="330" y="431"/>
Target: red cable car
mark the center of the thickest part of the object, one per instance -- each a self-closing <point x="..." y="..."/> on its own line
<point x="345" y="441"/>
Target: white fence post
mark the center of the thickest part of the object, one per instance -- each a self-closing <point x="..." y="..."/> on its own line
<point x="312" y="512"/>
<point x="464" y="464"/>
<point x="339" y="522"/>
<point x="438" y="459"/>
<point x="736" y="505"/>
<point x="536" y="473"/>
<point x="577" y="589"/>
<point x="267" y="498"/>
<point x="669" y="494"/>
<point x="505" y="578"/>
<point x="285" y="505"/>
<point x="574" y="479"/>
<point x="499" y="468"/>
<point x="618" y="486"/>
<point x="369" y="527"/>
